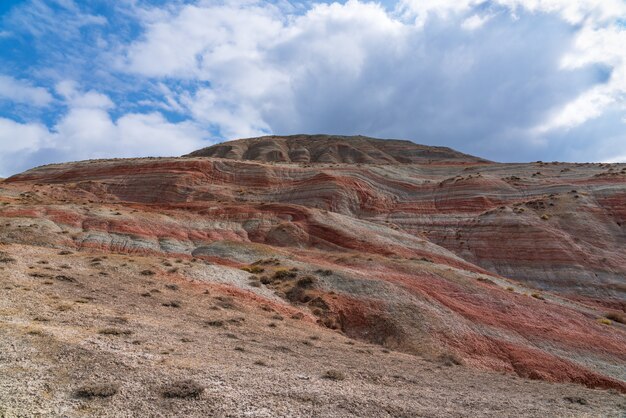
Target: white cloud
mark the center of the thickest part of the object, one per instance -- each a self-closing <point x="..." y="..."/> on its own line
<point x="69" y="90"/>
<point x="88" y="131"/>
<point x="21" y="91"/>
<point x="475" y="21"/>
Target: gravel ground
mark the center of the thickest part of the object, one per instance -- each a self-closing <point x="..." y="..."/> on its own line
<point x="78" y="324"/>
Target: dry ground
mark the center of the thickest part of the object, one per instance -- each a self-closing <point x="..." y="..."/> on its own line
<point x="68" y="321"/>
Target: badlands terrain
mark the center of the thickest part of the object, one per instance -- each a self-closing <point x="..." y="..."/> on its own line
<point x="313" y="276"/>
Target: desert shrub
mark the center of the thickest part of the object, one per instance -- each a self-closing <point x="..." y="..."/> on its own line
<point x="537" y="296"/>
<point x="172" y="304"/>
<point x="576" y="399"/>
<point x="260" y="363"/>
<point x="96" y="390"/>
<point x="215" y="323"/>
<point x="172" y="286"/>
<point x="146" y="294"/>
<point x="225" y="302"/>
<point x="617" y="317"/>
<point x="297" y="294"/>
<point x="265" y="280"/>
<point x="324" y="272"/>
<point x="147" y="273"/>
<point x="284" y="274"/>
<point x="449" y="359"/>
<point x="114" y="331"/>
<point x="182" y="389"/>
<point x="64" y="278"/>
<point x="255" y="283"/>
<point x="306" y="282"/>
<point x="510" y="288"/>
<point x="604" y="321"/>
<point x="334" y="375"/>
<point x="267" y="261"/>
<point x="253" y="269"/>
<point x="5" y="258"/>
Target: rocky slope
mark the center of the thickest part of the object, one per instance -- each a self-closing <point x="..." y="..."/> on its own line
<point x="332" y="149"/>
<point x="503" y="267"/>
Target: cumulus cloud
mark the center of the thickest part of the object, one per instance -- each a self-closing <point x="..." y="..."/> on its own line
<point x="359" y="68"/>
<point x="21" y="91"/>
<point x="88" y="131"/>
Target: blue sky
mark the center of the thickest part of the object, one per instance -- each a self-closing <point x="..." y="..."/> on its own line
<point x="509" y="80"/>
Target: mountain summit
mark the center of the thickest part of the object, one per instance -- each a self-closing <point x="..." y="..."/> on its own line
<point x="332" y="149"/>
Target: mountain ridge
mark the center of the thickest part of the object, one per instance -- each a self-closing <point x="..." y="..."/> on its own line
<point x="319" y="148"/>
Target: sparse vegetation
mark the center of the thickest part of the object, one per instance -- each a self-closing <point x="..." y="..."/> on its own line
<point x="604" y="321"/>
<point x="334" y="375"/>
<point x="284" y="274"/>
<point x="182" y="389"/>
<point x="450" y="359"/>
<point x="5" y="258"/>
<point x="253" y="269"/>
<point x="114" y="331"/>
<point x="616" y="317"/>
<point x="172" y="304"/>
<point x="147" y="273"/>
<point x="96" y="390"/>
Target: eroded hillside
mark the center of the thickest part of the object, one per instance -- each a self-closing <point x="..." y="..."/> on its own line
<point x="441" y="257"/>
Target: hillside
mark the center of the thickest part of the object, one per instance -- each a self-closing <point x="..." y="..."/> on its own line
<point x="332" y="149"/>
<point x="400" y="259"/>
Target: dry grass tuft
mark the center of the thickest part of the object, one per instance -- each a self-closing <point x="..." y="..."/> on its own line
<point x="334" y="375"/>
<point x="182" y="389"/>
<point x="96" y="390"/>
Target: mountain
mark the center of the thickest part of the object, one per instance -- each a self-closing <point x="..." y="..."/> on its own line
<point x="389" y="253"/>
<point x="331" y="149"/>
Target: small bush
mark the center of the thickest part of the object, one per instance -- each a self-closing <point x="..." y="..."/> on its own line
<point x="284" y="274"/>
<point x="182" y="389"/>
<point x="114" y="331"/>
<point x="324" y="272"/>
<point x="576" y="399"/>
<point x="172" y="286"/>
<point x="616" y="317"/>
<point x="604" y="321"/>
<point x="306" y="282"/>
<point x="96" y="390"/>
<point x="172" y="304"/>
<point x="253" y="269"/>
<point x="215" y="323"/>
<point x="147" y="273"/>
<point x="449" y="359"/>
<point x="537" y="296"/>
<point x="334" y="375"/>
<point x="5" y="258"/>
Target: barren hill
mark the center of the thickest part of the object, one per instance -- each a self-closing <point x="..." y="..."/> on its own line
<point x="332" y="149"/>
<point x="416" y="259"/>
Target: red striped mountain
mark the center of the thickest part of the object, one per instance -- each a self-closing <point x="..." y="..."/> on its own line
<point x="510" y="267"/>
